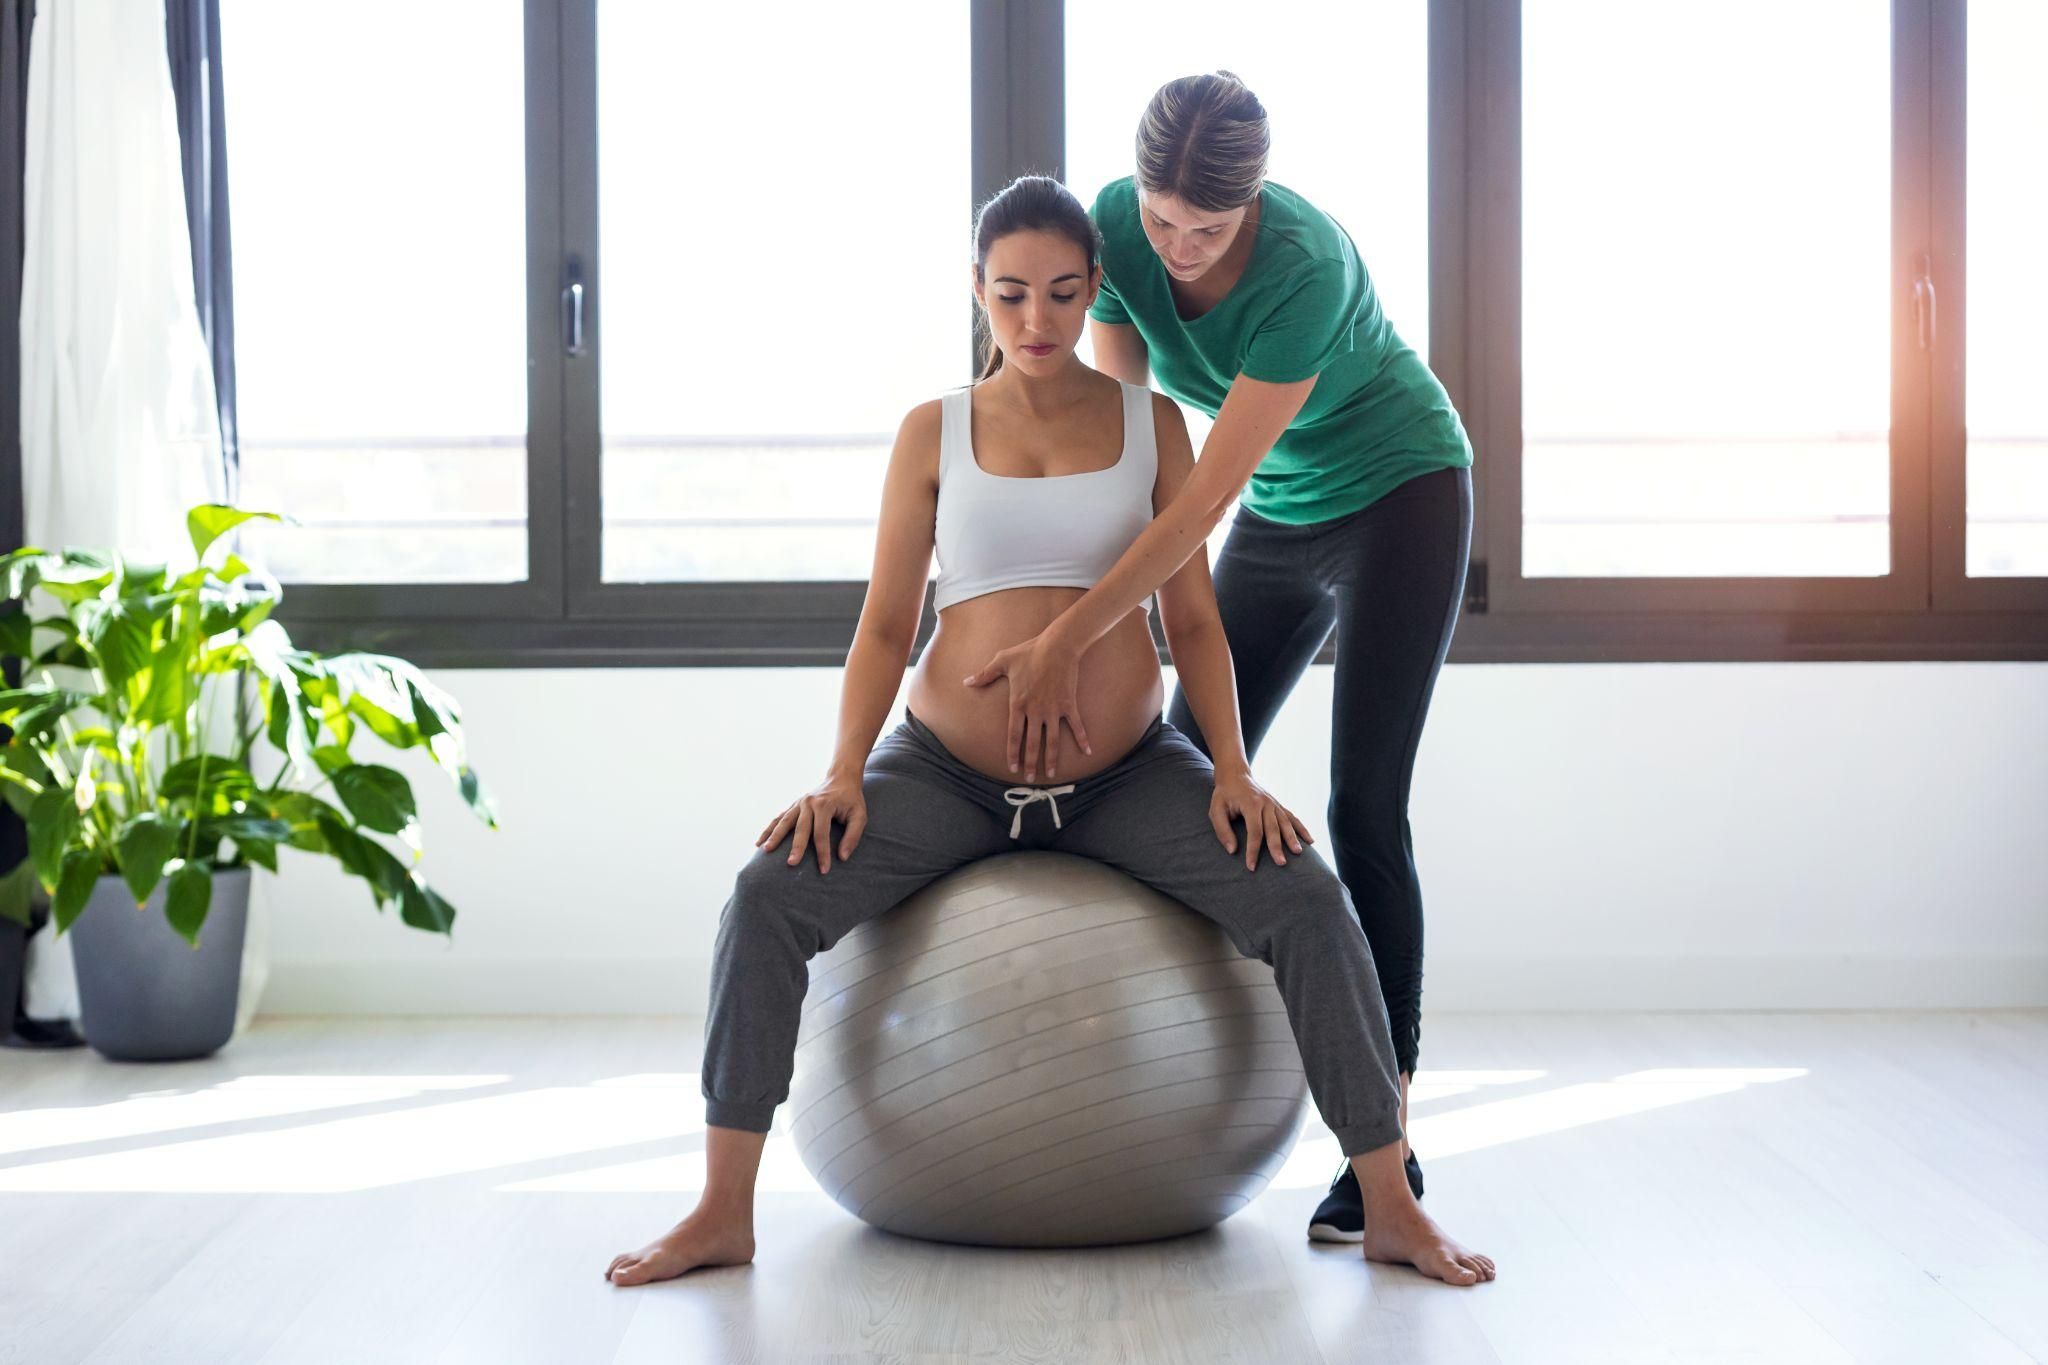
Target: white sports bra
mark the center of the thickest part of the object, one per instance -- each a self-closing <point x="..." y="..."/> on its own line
<point x="1062" y="530"/>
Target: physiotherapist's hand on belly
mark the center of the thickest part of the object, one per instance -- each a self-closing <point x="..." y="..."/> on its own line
<point x="1045" y="678"/>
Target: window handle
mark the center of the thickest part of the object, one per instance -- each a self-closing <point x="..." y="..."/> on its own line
<point x="572" y="315"/>
<point x="1924" y="303"/>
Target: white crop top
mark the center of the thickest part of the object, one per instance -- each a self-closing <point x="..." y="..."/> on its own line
<point x="1063" y="530"/>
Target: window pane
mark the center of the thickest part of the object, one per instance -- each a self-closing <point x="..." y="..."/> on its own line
<point x="1706" y="200"/>
<point x="2007" y="212"/>
<point x="1349" y="114"/>
<point x="379" y="208"/>
<point x="785" y="244"/>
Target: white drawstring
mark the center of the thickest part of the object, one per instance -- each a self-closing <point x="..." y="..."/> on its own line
<point x="1020" y="797"/>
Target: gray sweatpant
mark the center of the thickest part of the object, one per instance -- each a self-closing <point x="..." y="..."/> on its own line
<point x="1148" y="816"/>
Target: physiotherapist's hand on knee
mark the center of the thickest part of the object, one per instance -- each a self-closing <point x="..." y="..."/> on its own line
<point x="1045" y="682"/>
<point x="811" y="815"/>
<point x="1266" y="821"/>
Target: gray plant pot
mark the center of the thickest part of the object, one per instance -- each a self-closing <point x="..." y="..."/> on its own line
<point x="144" y="994"/>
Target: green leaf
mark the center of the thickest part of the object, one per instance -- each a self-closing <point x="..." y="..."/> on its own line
<point x="364" y="857"/>
<point x="421" y="908"/>
<point x="334" y="710"/>
<point x="378" y="797"/>
<point x="185" y="904"/>
<point x="226" y="782"/>
<point x="118" y="637"/>
<point x="399" y="733"/>
<point x="74" y="887"/>
<point x="261" y="852"/>
<point x="20" y="572"/>
<point x="472" y="789"/>
<point x="378" y="691"/>
<point x="242" y="828"/>
<point x="131" y="579"/>
<point x="304" y="811"/>
<point x="53" y="825"/>
<point x="67" y="652"/>
<point x="236" y="606"/>
<point x="73" y="575"/>
<point x="286" y="716"/>
<point x="16" y="890"/>
<point x="210" y="521"/>
<point x="33" y="712"/>
<point x="144" y="845"/>
<point x="22" y="777"/>
<point x="332" y="758"/>
<point x="24" y="762"/>
<point x="17" y="634"/>
<point x="171" y="686"/>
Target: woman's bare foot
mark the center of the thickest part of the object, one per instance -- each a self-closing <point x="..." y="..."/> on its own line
<point x="1399" y="1232"/>
<point x="1408" y="1236"/>
<point x="705" y="1238"/>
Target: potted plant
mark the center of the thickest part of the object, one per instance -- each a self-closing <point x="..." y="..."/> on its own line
<point x="137" y="784"/>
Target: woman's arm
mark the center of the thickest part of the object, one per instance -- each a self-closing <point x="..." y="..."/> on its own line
<point x="1044" y="671"/>
<point x="1201" y="655"/>
<point x="1188" y="612"/>
<point x="881" y="645"/>
<point x="1121" y="352"/>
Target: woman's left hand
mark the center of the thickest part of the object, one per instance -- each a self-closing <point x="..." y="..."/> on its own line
<point x="1266" y="821"/>
<point x="1045" y="679"/>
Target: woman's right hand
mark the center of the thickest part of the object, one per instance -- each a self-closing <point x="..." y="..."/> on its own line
<point x="811" y="815"/>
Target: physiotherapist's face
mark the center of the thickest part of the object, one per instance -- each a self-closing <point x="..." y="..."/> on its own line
<point x="1189" y="240"/>
<point x="1036" y="287"/>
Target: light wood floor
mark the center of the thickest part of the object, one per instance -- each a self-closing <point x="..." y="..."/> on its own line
<point x="1737" y="1187"/>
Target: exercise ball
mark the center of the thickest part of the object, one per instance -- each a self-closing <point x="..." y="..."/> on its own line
<point x="1037" y="1050"/>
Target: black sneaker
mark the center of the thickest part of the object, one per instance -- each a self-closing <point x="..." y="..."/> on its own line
<point x="1341" y="1215"/>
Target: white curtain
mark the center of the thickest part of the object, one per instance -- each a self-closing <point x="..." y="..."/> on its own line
<point x="119" y="430"/>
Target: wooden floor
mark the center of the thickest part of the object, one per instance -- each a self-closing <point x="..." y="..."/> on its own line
<point x="1739" y="1187"/>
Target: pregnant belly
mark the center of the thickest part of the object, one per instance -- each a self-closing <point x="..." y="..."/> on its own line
<point x="1120" y="691"/>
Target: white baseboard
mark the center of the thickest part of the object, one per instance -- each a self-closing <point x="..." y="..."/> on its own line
<point x="680" y="985"/>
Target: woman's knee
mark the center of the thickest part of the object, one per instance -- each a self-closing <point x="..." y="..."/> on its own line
<point x="1316" y="913"/>
<point x="767" y="901"/>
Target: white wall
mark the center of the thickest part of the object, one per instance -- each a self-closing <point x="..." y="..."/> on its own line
<point x="1590" y="836"/>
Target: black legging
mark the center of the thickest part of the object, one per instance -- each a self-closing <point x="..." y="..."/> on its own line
<point x="1390" y="578"/>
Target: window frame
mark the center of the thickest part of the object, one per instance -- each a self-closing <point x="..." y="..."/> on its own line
<point x="565" y="615"/>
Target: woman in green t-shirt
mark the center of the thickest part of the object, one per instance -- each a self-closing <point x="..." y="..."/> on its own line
<point x="1353" y="476"/>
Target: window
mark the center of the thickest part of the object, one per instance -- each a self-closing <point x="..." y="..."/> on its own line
<point x="2008" y="209"/>
<point x="378" y="188"/>
<point x="580" y="337"/>
<point x="1705" y="264"/>
<point x="785" y="247"/>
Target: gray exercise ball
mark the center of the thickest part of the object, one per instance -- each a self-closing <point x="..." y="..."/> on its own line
<point x="1039" y="1051"/>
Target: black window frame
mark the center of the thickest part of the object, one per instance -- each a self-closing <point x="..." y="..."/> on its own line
<point x="565" y="615"/>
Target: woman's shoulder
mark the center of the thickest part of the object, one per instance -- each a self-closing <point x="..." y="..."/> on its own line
<point x="1309" y="237"/>
<point x="922" y="431"/>
<point x="925" y="417"/>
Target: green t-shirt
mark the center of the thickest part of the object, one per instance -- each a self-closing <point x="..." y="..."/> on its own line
<point x="1304" y="306"/>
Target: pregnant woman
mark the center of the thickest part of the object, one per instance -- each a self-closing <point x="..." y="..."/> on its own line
<point x="1353" y="476"/>
<point x="1029" y="484"/>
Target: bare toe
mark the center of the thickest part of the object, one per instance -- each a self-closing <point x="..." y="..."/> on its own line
<point x="695" y="1242"/>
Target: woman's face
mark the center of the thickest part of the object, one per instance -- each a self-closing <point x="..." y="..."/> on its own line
<point x="1036" y="287"/>
<point x="1189" y="240"/>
